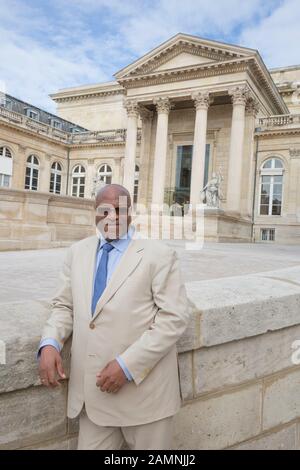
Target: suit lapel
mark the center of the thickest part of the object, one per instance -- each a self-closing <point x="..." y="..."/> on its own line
<point x="125" y="267"/>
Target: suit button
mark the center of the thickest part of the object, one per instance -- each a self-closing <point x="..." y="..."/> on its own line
<point x="92" y="325"/>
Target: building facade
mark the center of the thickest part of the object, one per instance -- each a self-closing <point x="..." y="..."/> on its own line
<point x="171" y="121"/>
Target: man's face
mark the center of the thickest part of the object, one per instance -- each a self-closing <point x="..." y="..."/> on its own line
<point x="112" y="216"/>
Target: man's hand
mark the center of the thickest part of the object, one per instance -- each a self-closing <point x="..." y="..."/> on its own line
<point x="111" y="378"/>
<point x="50" y="367"/>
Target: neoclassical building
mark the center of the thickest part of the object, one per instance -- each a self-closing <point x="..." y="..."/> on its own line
<point x="187" y="110"/>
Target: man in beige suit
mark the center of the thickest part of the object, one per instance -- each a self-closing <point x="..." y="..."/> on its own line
<point x="123" y="300"/>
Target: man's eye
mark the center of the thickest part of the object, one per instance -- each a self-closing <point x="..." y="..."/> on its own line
<point x="105" y="213"/>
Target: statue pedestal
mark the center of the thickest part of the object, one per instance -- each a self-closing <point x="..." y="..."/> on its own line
<point x="222" y="227"/>
<point x="210" y="224"/>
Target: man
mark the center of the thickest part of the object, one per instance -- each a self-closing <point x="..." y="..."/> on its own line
<point x="123" y="300"/>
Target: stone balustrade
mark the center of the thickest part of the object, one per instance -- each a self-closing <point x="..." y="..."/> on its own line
<point x="33" y="125"/>
<point x="108" y="136"/>
<point x="240" y="388"/>
<point x="292" y="120"/>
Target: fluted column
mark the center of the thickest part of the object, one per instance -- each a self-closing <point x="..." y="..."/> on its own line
<point x="130" y="146"/>
<point x="146" y="117"/>
<point x="239" y="98"/>
<point x="163" y="107"/>
<point x="202" y="102"/>
<point x="251" y="111"/>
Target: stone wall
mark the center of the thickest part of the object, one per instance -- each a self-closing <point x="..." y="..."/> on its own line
<point x="240" y="388"/>
<point x="31" y="220"/>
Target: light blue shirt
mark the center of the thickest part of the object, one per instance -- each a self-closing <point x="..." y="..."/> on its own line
<point x="114" y="258"/>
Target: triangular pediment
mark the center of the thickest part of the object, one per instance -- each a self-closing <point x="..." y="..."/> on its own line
<point x="183" y="51"/>
<point x="181" y="59"/>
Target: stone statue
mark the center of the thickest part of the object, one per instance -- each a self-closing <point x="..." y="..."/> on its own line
<point x="212" y="190"/>
<point x="97" y="184"/>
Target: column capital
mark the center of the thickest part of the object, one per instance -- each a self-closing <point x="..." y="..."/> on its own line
<point x="163" y="105"/>
<point x="131" y="107"/>
<point x="252" y="107"/>
<point x="239" y="95"/>
<point x="201" y="99"/>
<point x="145" y="113"/>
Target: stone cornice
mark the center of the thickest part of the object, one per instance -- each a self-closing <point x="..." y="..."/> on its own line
<point x="280" y="131"/>
<point x="213" y="50"/>
<point x="182" y="73"/>
<point x="78" y="95"/>
<point x="98" y="144"/>
<point x="256" y="70"/>
<point x="176" y="49"/>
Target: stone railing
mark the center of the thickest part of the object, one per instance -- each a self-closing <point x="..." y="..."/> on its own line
<point x="107" y="136"/>
<point x="239" y="385"/>
<point x="283" y="120"/>
<point x="33" y="125"/>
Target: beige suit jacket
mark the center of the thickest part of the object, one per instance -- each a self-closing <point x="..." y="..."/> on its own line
<point x="140" y="316"/>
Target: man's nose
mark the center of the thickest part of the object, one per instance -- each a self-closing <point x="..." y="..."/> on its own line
<point x="112" y="217"/>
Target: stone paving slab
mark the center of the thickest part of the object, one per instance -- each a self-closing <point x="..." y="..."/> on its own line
<point x="32" y="275"/>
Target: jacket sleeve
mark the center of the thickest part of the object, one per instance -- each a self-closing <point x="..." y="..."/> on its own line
<point x="59" y="325"/>
<point x="172" y="317"/>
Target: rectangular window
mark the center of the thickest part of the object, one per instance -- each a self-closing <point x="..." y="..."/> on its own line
<point x="74" y="130"/>
<point x="6" y="103"/>
<point x="32" y="114"/>
<point x="55" y="123"/>
<point x="4" y="181"/>
<point x="271" y="195"/>
<point x="267" y="234"/>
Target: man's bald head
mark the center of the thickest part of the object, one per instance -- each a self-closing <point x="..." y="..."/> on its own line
<point x="112" y="192"/>
<point x="112" y="204"/>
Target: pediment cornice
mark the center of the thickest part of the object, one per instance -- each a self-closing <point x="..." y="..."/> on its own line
<point x="182" y="47"/>
<point x="184" y="43"/>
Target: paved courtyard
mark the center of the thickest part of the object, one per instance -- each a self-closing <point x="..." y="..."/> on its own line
<point x="31" y="275"/>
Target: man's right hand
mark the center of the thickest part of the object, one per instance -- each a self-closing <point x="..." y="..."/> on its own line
<point x="50" y="367"/>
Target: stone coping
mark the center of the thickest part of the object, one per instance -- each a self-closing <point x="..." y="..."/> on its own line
<point x="225" y="310"/>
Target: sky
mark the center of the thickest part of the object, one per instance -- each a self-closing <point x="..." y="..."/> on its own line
<point x="49" y="45"/>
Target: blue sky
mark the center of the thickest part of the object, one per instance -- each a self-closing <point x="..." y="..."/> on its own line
<point x="49" y="45"/>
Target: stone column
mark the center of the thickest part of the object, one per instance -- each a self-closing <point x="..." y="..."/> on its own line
<point x="202" y="102"/>
<point x="252" y="109"/>
<point x="130" y="146"/>
<point x="163" y="107"/>
<point x="239" y="98"/>
<point x="146" y="117"/>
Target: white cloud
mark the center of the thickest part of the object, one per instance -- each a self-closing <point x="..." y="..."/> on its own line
<point x="277" y="37"/>
<point x="47" y="45"/>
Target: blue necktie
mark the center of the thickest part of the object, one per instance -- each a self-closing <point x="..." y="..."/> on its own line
<point x="101" y="276"/>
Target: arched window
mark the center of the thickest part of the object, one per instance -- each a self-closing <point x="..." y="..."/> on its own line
<point x="6" y="167"/>
<point x="55" y="178"/>
<point x="271" y="178"/>
<point x="32" y="173"/>
<point x="78" y="181"/>
<point x="136" y="184"/>
<point x="105" y="173"/>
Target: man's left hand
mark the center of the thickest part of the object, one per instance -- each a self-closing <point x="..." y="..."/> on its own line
<point x="111" y="378"/>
